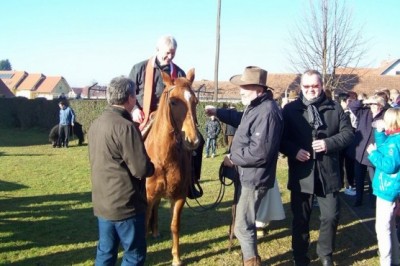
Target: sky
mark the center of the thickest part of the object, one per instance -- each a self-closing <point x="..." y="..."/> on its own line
<point x="88" y="41"/>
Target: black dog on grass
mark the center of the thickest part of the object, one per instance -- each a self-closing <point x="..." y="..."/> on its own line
<point x="76" y="131"/>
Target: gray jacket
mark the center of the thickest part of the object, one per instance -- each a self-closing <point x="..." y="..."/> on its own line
<point x="255" y="146"/>
<point x="119" y="165"/>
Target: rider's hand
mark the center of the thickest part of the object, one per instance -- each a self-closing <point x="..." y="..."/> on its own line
<point x="137" y="115"/>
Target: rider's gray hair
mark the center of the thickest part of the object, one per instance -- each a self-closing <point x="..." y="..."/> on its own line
<point x="167" y="40"/>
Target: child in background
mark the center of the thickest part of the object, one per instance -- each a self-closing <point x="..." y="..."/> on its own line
<point x="213" y="128"/>
<point x="385" y="156"/>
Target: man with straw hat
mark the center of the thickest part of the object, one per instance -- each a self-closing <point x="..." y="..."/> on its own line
<point x="254" y="152"/>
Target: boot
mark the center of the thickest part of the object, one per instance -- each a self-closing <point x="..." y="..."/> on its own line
<point x="193" y="193"/>
<point x="254" y="261"/>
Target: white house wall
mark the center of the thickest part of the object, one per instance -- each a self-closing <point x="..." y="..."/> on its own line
<point x="391" y="71"/>
<point x="24" y="93"/>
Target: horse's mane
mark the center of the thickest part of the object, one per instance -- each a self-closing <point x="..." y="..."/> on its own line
<point x="162" y="120"/>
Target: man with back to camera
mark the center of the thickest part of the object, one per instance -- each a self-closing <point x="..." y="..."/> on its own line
<point x="316" y="129"/>
<point x="119" y="165"/>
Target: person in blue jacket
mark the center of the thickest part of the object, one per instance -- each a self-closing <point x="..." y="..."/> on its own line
<point x="67" y="119"/>
<point x="385" y="156"/>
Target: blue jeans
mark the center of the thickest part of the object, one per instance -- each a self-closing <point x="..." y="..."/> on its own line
<point x="210" y="143"/>
<point x="131" y="233"/>
<point x="245" y="223"/>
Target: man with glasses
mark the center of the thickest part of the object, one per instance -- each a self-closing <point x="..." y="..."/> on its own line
<point x="316" y="129"/>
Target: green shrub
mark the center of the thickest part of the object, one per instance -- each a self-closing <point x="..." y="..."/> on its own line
<point x="22" y="113"/>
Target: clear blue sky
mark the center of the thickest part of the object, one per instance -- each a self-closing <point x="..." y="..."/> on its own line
<point x="96" y="40"/>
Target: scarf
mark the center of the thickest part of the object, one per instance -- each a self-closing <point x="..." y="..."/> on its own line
<point x="313" y="115"/>
<point x="169" y="69"/>
<point x="392" y="131"/>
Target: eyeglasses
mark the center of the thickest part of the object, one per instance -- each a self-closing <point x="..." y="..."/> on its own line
<point x="314" y="86"/>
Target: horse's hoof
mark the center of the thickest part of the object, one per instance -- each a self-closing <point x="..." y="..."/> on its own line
<point x="178" y="263"/>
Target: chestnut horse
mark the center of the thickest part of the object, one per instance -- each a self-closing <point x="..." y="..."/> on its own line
<point x="170" y="143"/>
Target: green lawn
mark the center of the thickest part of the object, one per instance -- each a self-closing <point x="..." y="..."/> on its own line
<point x="46" y="216"/>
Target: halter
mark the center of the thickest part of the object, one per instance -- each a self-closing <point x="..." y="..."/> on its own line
<point x="178" y="136"/>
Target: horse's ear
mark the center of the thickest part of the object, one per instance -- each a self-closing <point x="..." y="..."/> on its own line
<point x="166" y="78"/>
<point x="190" y="75"/>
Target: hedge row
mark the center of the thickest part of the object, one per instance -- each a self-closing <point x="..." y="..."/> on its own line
<point x="41" y="113"/>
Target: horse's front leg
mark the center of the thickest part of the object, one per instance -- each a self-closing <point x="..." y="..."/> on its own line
<point x="177" y="207"/>
<point x="152" y="217"/>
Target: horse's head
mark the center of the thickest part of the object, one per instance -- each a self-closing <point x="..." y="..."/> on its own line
<point x="181" y="102"/>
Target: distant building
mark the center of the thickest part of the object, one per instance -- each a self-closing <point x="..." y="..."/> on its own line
<point x="94" y="91"/>
<point x="12" y="79"/>
<point x="52" y="88"/>
<point x="360" y="80"/>
<point x="5" y="92"/>
<point x="33" y="86"/>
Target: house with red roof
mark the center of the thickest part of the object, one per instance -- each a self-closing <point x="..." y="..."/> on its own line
<point x="12" y="79"/>
<point x="29" y="85"/>
<point x="5" y="92"/>
<point x="360" y="80"/>
<point x="51" y="88"/>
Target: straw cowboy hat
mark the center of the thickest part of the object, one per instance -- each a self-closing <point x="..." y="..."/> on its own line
<point x="252" y="75"/>
<point x="293" y="95"/>
<point x="375" y="99"/>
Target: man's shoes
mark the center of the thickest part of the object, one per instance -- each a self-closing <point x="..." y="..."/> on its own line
<point x="349" y="191"/>
<point x="212" y="155"/>
<point x="255" y="261"/>
<point x="206" y="156"/>
<point x="326" y="261"/>
<point x="296" y="263"/>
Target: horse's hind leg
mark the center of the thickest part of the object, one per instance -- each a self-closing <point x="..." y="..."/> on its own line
<point x="177" y="207"/>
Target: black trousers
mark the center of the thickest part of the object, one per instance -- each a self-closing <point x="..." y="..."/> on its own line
<point x="63" y="135"/>
<point x="360" y="171"/>
<point x="301" y="205"/>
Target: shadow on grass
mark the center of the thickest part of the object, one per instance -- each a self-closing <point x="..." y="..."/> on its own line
<point x="31" y="223"/>
<point x="15" y="137"/>
<point x="9" y="186"/>
<point x="353" y="242"/>
<point x="66" y="221"/>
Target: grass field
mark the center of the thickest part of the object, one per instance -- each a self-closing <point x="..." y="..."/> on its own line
<point x="46" y="216"/>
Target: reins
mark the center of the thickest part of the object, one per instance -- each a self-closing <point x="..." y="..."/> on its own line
<point x="223" y="183"/>
<point x="220" y="196"/>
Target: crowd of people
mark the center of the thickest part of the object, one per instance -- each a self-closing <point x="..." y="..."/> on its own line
<point x="329" y="144"/>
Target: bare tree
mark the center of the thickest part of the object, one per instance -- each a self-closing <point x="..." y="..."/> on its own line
<point x="325" y="39"/>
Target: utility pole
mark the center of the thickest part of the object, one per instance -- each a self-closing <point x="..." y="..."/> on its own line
<point x="217" y="53"/>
